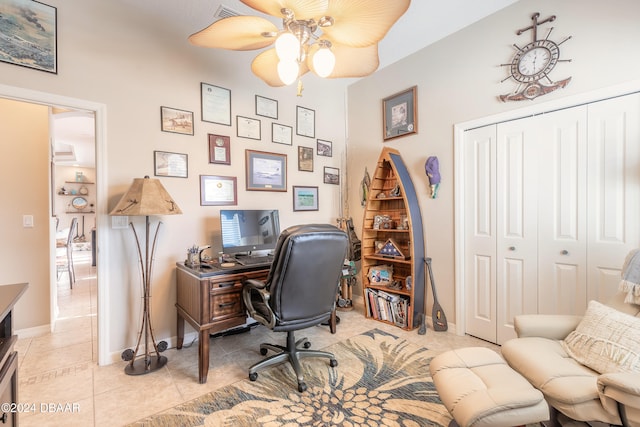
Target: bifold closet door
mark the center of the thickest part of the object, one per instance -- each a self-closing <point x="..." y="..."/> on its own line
<point x="562" y="211"/>
<point x="480" y="232"/>
<point x="613" y="195"/>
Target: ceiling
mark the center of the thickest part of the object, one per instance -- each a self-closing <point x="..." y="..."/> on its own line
<point x="425" y="22"/>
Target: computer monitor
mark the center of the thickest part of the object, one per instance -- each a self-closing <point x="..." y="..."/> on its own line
<point x="245" y="231"/>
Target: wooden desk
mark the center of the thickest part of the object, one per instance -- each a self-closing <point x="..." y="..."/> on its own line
<point x="210" y="299"/>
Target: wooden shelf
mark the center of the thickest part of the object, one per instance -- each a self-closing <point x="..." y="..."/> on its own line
<point x="391" y="174"/>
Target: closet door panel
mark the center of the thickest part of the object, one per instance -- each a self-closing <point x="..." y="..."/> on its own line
<point x="614" y="188"/>
<point x="480" y="230"/>
<point x="562" y="144"/>
<point x="516" y="212"/>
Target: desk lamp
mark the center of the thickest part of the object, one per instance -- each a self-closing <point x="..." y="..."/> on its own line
<point x="145" y="197"/>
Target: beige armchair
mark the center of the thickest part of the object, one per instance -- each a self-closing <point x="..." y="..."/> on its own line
<point x="584" y="377"/>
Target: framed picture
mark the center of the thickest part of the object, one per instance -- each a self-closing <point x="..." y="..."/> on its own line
<point x="218" y="190"/>
<point x="305" y="198"/>
<point x="305" y="159"/>
<point x="399" y="114"/>
<point x="29" y="35"/>
<point x="266" y="171"/>
<point x="281" y="134"/>
<point x="305" y="122"/>
<point x="331" y="175"/>
<point x="170" y="164"/>
<point x="266" y="107"/>
<point x="219" y="149"/>
<point x="176" y="121"/>
<point x="324" y="148"/>
<point x="215" y="104"/>
<point x="248" y="128"/>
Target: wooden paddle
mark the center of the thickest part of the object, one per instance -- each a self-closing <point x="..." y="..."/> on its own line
<point x="437" y="313"/>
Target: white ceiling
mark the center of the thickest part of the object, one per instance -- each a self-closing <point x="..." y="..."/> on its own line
<point x="425" y="22"/>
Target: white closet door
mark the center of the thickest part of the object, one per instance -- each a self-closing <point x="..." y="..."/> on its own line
<point x="516" y="218"/>
<point x="480" y="232"/>
<point x="614" y="188"/>
<point x="562" y="214"/>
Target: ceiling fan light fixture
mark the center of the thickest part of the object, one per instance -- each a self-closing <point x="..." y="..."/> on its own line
<point x="324" y="60"/>
<point x="287" y="47"/>
<point x="288" y="70"/>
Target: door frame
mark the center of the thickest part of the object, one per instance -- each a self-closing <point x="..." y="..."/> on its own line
<point x="459" y="171"/>
<point x="102" y="271"/>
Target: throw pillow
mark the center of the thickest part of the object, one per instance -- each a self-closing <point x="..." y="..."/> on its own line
<point x="606" y="340"/>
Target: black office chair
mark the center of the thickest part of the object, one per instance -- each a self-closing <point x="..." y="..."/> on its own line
<point x="300" y="292"/>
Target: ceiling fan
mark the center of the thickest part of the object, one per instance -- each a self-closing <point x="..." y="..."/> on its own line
<point x="332" y="38"/>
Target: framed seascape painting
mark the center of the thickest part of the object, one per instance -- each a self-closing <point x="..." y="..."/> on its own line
<point x="266" y="171"/>
<point x="29" y="35"/>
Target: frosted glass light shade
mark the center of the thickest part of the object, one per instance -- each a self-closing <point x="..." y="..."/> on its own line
<point x="288" y="71"/>
<point x="287" y="47"/>
<point x="323" y="62"/>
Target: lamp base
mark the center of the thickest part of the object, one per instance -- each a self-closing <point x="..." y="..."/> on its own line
<point x="141" y="367"/>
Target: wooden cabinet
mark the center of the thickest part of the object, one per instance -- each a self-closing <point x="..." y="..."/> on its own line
<point x="9" y="295"/>
<point x="393" y="246"/>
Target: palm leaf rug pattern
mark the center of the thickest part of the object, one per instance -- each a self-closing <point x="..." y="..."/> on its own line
<point x="380" y="380"/>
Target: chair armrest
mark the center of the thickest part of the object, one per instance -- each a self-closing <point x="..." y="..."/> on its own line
<point x="623" y="388"/>
<point x="551" y="326"/>
<point x="255" y="284"/>
<point x="258" y="309"/>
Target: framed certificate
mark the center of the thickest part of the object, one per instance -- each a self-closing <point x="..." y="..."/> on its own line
<point x="216" y="104"/>
<point x="170" y="164"/>
<point x="247" y="127"/>
<point x="218" y="190"/>
<point x="305" y="122"/>
<point x="281" y="134"/>
<point x="266" y="107"/>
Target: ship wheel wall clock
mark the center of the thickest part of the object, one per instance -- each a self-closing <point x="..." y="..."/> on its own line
<point x="531" y="64"/>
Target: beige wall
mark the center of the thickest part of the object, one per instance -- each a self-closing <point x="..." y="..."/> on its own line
<point x="111" y="54"/>
<point x="458" y="80"/>
<point x="24" y="172"/>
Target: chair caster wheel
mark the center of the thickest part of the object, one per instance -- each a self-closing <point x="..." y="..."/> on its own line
<point x="253" y="377"/>
<point x="302" y="387"/>
<point x="307" y="344"/>
<point x="263" y="351"/>
<point x="333" y="363"/>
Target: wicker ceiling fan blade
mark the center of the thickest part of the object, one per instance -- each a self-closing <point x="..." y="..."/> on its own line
<point x="236" y="33"/>
<point x="360" y="23"/>
<point x="265" y="66"/>
<point x="350" y="61"/>
<point x="302" y="9"/>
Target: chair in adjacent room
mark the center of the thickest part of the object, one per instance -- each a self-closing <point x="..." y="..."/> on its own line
<point x="299" y="292"/>
<point x="64" y="254"/>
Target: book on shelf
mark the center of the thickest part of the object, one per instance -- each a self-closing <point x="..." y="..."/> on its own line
<point x="382" y="305"/>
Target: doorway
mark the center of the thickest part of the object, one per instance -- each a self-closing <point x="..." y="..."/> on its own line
<point x="99" y="112"/>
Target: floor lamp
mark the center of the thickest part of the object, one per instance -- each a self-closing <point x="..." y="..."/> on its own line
<point x="145" y="197"/>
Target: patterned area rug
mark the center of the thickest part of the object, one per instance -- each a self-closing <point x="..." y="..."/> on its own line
<point x="380" y="380"/>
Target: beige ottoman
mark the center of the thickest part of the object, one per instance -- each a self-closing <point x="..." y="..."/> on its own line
<point x="478" y="388"/>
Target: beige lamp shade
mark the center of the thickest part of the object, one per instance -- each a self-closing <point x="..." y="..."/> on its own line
<point x="146" y="196"/>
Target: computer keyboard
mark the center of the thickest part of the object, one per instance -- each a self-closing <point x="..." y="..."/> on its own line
<point x="253" y="260"/>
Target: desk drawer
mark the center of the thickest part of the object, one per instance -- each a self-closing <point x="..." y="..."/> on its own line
<point x="223" y="286"/>
<point x="226" y="305"/>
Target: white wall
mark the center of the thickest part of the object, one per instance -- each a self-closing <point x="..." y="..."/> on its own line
<point x="109" y="53"/>
<point x="459" y="79"/>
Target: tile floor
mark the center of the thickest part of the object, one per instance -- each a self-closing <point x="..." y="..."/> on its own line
<point x="59" y="375"/>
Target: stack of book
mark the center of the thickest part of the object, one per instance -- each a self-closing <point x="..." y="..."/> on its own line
<point x="385" y="306"/>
